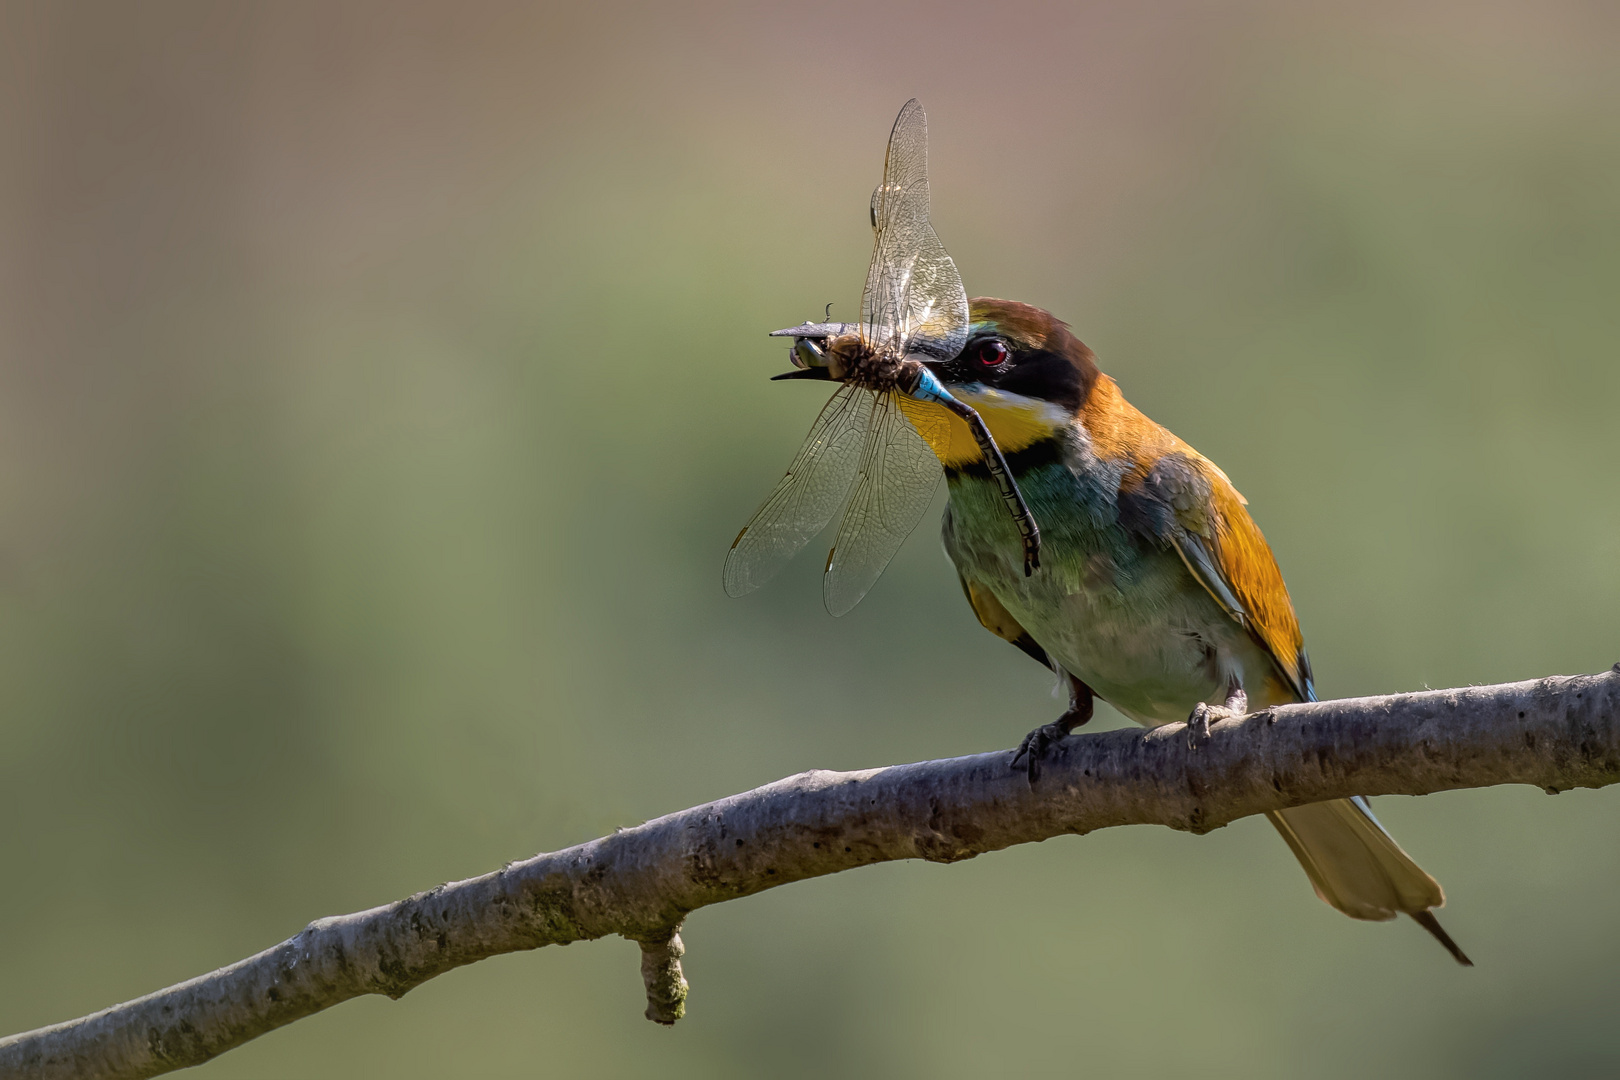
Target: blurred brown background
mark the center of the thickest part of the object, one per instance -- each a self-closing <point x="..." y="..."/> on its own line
<point x="381" y="386"/>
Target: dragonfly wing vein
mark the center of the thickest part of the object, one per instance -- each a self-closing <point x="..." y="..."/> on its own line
<point x="914" y="301"/>
<point x="806" y="498"/>
<point x="893" y="488"/>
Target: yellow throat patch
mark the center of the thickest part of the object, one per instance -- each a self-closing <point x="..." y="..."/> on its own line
<point x="1015" y="422"/>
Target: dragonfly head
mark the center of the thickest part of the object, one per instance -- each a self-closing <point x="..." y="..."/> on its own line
<point x="820" y="350"/>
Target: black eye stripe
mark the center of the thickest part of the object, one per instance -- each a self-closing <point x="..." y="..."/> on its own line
<point x="1044" y="375"/>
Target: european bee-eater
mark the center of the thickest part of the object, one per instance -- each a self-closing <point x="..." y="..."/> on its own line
<point x="1157" y="592"/>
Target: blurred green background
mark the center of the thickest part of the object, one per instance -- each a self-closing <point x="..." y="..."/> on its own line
<point x="381" y="387"/>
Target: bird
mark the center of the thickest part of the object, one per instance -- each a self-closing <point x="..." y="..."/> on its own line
<point x="1157" y="592"/>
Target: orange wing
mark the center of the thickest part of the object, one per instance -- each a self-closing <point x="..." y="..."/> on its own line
<point x="994" y="617"/>
<point x="1177" y="496"/>
<point x="1225" y="550"/>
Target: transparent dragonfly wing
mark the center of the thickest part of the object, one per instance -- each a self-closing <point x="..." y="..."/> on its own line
<point x="807" y="497"/>
<point x="914" y="303"/>
<point x="893" y="487"/>
<point x="913" y="306"/>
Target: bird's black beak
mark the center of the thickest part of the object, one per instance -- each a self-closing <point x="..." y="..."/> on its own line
<point x="821" y="331"/>
<point x="804" y="373"/>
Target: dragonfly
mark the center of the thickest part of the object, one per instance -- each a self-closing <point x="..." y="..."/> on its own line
<point x="869" y="451"/>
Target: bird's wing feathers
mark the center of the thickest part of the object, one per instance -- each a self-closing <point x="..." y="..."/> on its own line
<point x="1184" y="499"/>
<point x="995" y="617"/>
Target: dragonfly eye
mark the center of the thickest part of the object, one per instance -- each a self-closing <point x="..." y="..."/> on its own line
<point x="991" y="356"/>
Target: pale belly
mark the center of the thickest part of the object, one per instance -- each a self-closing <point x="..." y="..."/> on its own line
<point x="1154" y="660"/>
<point x="1127" y="619"/>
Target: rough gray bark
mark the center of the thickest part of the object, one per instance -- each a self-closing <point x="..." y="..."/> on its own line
<point x="1556" y="733"/>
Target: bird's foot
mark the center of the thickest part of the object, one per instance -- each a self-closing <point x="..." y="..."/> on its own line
<point x="1203" y="715"/>
<point x="1038" y="742"/>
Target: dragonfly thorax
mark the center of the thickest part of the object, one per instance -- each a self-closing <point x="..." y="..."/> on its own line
<point x="855" y="360"/>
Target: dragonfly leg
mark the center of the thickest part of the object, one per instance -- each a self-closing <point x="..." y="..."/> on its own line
<point x="1036" y="744"/>
<point x="926" y="387"/>
<point x="1028" y="531"/>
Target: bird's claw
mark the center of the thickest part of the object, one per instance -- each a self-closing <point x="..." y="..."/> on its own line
<point x="1198" y="726"/>
<point x="1037" y="743"/>
<point x="1203" y="715"/>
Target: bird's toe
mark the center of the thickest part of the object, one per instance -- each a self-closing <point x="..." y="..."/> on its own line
<point x="1038" y="743"/>
<point x="1198" y="726"/>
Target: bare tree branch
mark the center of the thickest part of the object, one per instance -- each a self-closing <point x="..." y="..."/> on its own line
<point x="1556" y="733"/>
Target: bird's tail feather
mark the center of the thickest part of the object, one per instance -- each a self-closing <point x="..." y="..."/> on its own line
<point x="1358" y="868"/>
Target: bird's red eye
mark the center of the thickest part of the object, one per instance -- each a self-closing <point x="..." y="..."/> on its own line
<point x="992" y="354"/>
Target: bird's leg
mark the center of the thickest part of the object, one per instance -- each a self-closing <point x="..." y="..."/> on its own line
<point x="1237" y="700"/>
<point x="1203" y="715"/>
<point x="1035" y="745"/>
